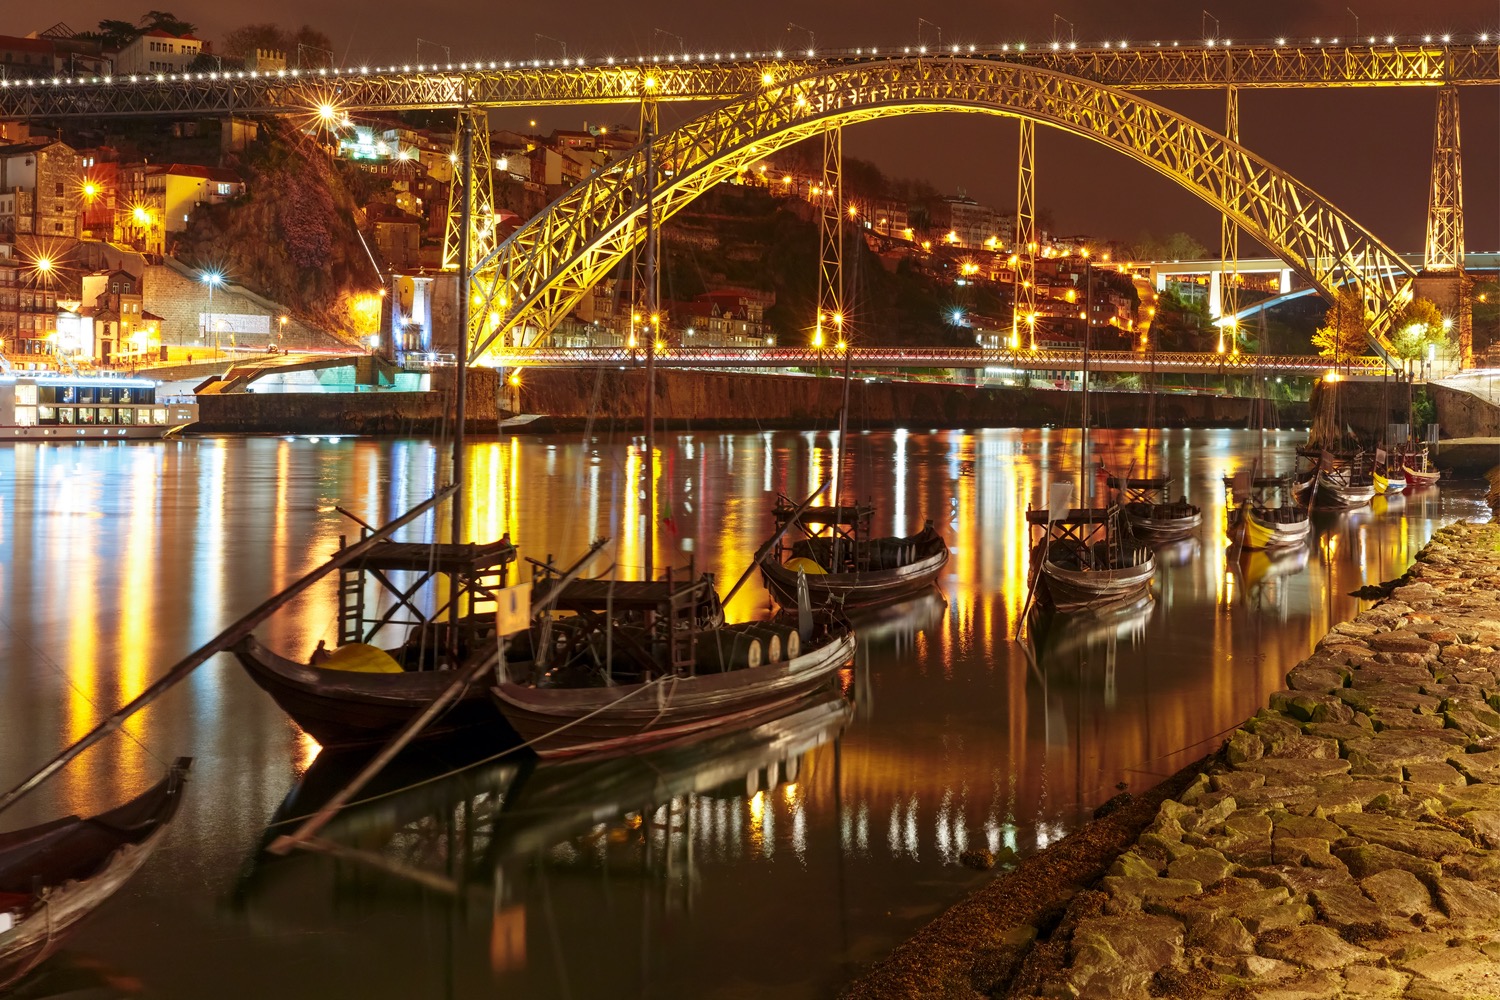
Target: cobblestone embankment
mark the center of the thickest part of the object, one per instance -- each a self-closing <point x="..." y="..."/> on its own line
<point x="1345" y="843"/>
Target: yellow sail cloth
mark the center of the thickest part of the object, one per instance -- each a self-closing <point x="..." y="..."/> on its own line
<point x="807" y="566"/>
<point x="361" y="658"/>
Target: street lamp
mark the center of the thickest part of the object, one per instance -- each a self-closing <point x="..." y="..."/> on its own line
<point x="213" y="279"/>
<point x="281" y="335"/>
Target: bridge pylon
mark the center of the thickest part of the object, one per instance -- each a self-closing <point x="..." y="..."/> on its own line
<point x="482" y="228"/>
<point x="829" y="327"/>
<point x="645" y="281"/>
<point x="1023" y="311"/>
<point x="1229" y="243"/>
<point x="1443" y="279"/>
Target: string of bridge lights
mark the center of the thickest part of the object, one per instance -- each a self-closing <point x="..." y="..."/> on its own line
<point x="717" y="58"/>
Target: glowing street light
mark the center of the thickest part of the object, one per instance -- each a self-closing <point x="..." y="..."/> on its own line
<point x="213" y="279"/>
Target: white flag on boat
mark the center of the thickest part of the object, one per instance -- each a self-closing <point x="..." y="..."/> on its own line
<point x="1059" y="496"/>
<point x="513" y="609"/>
<point x="1379" y="456"/>
<point x="1241" y="484"/>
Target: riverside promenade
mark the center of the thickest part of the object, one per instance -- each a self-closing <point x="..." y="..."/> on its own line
<point x="1344" y="842"/>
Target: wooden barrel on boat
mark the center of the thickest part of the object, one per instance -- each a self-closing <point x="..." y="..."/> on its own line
<point x="779" y="641"/>
<point x="770" y="639"/>
<point x="725" y="649"/>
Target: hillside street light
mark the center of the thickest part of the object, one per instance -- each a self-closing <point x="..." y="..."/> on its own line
<point x="213" y="279"/>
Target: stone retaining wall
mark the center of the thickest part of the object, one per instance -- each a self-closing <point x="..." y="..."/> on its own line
<point x="1345" y="843"/>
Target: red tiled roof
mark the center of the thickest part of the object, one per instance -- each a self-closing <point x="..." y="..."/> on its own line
<point x="158" y="33"/>
<point x="15" y="43"/>
<point x="205" y="173"/>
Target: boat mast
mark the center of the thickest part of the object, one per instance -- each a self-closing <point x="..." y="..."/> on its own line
<point x="1088" y="323"/>
<point x="649" y="137"/>
<point x="838" y="462"/>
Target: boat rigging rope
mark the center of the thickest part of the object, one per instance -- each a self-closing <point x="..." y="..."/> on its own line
<point x="76" y="689"/>
<point x="649" y="685"/>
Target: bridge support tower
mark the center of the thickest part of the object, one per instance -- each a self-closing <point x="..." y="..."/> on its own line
<point x="1023" y="313"/>
<point x="1228" y="303"/>
<point x="829" y="328"/>
<point x="1443" y="279"/>
<point x="482" y="210"/>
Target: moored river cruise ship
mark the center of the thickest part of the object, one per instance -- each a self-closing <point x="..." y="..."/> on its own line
<point x="42" y="406"/>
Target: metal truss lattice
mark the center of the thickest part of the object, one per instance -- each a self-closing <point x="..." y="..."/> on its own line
<point x="1445" y="204"/>
<point x="533" y="279"/>
<point x="720" y="79"/>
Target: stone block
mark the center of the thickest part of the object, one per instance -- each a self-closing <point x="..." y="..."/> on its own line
<point x="1460" y="898"/>
<point x="1365" y="860"/>
<point x="1344" y="906"/>
<point x="1237" y="782"/>
<point x="1115" y="957"/>
<point x="1434" y="773"/>
<point x="1370" y="983"/>
<point x="1320" y="678"/>
<point x="1315" y="947"/>
<point x="1422" y="840"/>
<point x="1446" y="964"/>
<point x="1224" y="935"/>
<point x="1202" y="866"/>
<point x="1306" y="747"/>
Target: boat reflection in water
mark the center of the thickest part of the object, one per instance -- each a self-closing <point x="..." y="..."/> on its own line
<point x="1182" y="552"/>
<point x="502" y="830"/>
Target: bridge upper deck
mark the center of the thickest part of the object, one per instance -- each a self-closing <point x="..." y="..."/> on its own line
<point x="721" y="76"/>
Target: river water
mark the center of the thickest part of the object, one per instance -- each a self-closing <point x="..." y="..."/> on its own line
<point x="776" y="862"/>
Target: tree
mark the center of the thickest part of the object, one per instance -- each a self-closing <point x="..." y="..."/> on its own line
<point x="165" y="20"/>
<point x="1417" y="325"/>
<point x="1175" y="246"/>
<point x="309" y="48"/>
<point x="1345" y="330"/>
<point x="243" y="41"/>
<point x="113" y="34"/>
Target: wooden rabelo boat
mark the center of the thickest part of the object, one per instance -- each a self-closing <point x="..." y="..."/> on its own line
<point x="845" y="567"/>
<point x="627" y="664"/>
<point x="54" y="875"/>
<point x="1388" y="476"/>
<point x="1153" y="516"/>
<point x="1086" y="559"/>
<point x="1418" y="468"/>
<point x="1265" y="516"/>
<point x="359" y="693"/>
<point x="1339" y="480"/>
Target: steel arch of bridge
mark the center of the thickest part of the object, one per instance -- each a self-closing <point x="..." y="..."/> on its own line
<point x="525" y="286"/>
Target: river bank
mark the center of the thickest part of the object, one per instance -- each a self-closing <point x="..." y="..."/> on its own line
<point x="1345" y="841"/>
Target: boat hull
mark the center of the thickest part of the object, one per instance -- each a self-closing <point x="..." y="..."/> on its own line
<point x="1070" y="590"/>
<point x="340" y="708"/>
<point x="1420" y="480"/>
<point x="1163" y="529"/>
<point x="563" y="722"/>
<point x="1343" y="495"/>
<point x="855" y="590"/>
<point x="44" y="929"/>
<point x="1261" y="533"/>
<point x="1389" y="485"/>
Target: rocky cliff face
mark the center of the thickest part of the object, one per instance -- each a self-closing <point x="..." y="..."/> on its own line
<point x="294" y="237"/>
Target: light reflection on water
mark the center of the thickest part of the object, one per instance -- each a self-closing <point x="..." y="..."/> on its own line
<point x="744" y="866"/>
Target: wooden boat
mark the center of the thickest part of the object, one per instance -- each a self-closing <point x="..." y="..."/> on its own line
<point x="598" y="686"/>
<point x="1087" y="560"/>
<point x="359" y="694"/>
<point x="1389" y="483"/>
<point x="1344" y="488"/>
<point x="1265" y="518"/>
<point x="54" y="875"/>
<point x="1418" y="469"/>
<point x="1153" y="516"/>
<point x="846" y="568"/>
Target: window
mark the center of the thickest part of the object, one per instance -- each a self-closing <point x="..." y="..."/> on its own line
<point x="65" y="415"/>
<point x="159" y="415"/>
<point x="26" y="416"/>
<point x="106" y="414"/>
<point x="46" y="414"/>
<point x="25" y="395"/>
<point x="58" y="193"/>
<point x="85" y="414"/>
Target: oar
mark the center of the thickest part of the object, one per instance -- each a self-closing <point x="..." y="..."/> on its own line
<point x="761" y="552"/>
<point x="231" y="635"/>
<point x="408" y="732"/>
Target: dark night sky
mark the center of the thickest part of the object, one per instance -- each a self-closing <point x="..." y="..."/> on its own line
<point x="1369" y="151"/>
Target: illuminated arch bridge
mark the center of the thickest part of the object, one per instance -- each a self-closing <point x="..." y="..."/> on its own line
<point x="525" y="286"/>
